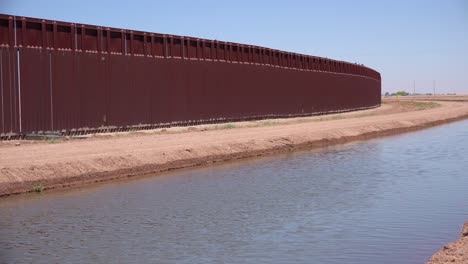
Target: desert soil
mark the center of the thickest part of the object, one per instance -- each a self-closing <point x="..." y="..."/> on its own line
<point x="28" y="165"/>
<point x="456" y="252"/>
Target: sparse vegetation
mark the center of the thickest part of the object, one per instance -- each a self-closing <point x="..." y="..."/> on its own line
<point x="417" y="105"/>
<point x="269" y="123"/>
<point x="52" y="141"/>
<point x="424" y="105"/>
<point x="228" y="126"/>
<point x="38" y="188"/>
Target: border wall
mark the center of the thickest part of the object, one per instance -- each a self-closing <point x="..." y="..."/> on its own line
<point x="73" y="79"/>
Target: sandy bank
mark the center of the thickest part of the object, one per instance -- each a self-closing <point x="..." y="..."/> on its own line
<point x="56" y="164"/>
<point x="456" y="252"/>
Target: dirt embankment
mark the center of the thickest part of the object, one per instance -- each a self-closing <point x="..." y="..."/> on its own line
<point x="35" y="165"/>
<point x="456" y="252"/>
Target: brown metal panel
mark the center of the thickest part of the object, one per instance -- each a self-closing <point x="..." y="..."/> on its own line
<point x="221" y="51"/>
<point x="16" y="32"/>
<point x="129" y="94"/>
<point x="34" y="91"/>
<point x="177" y="47"/>
<point x="65" y="93"/>
<point x="101" y="38"/>
<point x="8" y="91"/>
<point x="129" y="43"/>
<point x="308" y="63"/>
<point x="80" y="36"/>
<point x="64" y="37"/>
<point x="169" y="47"/>
<point x="21" y="31"/>
<point x="123" y="41"/>
<point x="159" y="91"/>
<point x="178" y="84"/>
<point x="192" y="48"/>
<point x="196" y="94"/>
<point x="216" y="51"/>
<point x="242" y="53"/>
<point x="185" y="47"/>
<point x="34" y="34"/>
<point x="228" y="51"/>
<point x="138" y="44"/>
<point x="285" y="59"/>
<point x="234" y="53"/>
<point x="4" y="28"/>
<point x="3" y="87"/>
<point x="115" y="42"/>
<point x="255" y="55"/>
<point x="206" y="49"/>
<point x="269" y="56"/>
<point x="120" y="94"/>
<point x="90" y="40"/>
<point x="11" y="31"/>
<point x="149" y="44"/>
<point x="276" y="58"/>
<point x="73" y="39"/>
<point x="212" y="49"/>
<point x="90" y="77"/>
<point x="158" y="46"/>
<point x="246" y="58"/>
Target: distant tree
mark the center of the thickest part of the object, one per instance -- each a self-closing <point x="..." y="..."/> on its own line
<point x="401" y="93"/>
<point x="387" y="94"/>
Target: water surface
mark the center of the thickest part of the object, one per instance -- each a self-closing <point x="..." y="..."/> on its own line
<point x="389" y="200"/>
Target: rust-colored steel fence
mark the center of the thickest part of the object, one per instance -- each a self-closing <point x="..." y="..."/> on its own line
<point x="69" y="78"/>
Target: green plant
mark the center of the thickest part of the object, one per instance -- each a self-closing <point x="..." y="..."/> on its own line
<point x="52" y="141"/>
<point x="401" y="93"/>
<point x="229" y="126"/>
<point x="425" y="105"/>
<point x="269" y="123"/>
<point x="38" y="188"/>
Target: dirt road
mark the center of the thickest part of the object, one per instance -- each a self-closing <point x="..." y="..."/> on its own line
<point x="29" y="165"/>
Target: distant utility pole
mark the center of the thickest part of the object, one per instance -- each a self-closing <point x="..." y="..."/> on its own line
<point x="414" y="87"/>
<point x="433" y="86"/>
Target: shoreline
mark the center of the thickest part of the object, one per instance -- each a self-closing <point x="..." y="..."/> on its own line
<point x="454" y="252"/>
<point x="35" y="166"/>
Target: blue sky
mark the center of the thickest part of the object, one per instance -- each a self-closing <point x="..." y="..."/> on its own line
<point x="419" y="40"/>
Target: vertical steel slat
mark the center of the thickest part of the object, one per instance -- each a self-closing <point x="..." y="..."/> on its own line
<point x="144" y="44"/>
<point x="15" y="30"/>
<point x="51" y="93"/>
<point x="23" y="32"/>
<point x="108" y="40"/>
<point x="19" y="90"/>
<point x="182" y="45"/>
<point x="99" y="40"/>
<point x="82" y="38"/>
<point x="1" y="90"/>
<point x="123" y="42"/>
<point x="12" y="91"/>
<point x="132" y="44"/>
<point x="73" y="43"/>
<point x="44" y="34"/>
<point x="55" y="44"/>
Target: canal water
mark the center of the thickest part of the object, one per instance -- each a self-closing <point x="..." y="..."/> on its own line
<point x="390" y="200"/>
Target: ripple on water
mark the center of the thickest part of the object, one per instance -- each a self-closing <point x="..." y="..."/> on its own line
<point x="389" y="200"/>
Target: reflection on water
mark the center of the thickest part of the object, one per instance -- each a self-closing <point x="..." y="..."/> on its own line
<point x="390" y="200"/>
